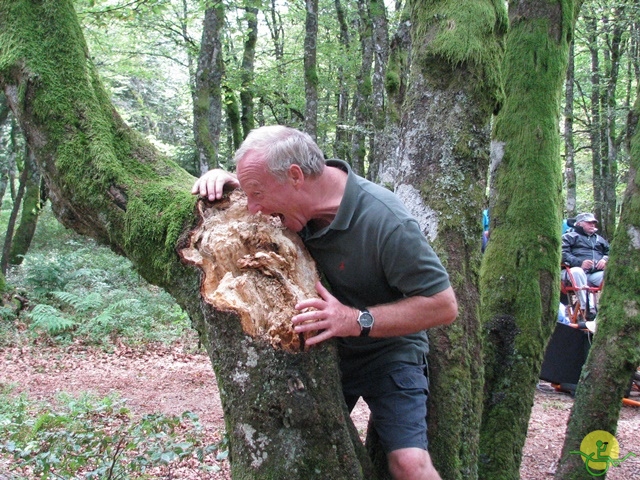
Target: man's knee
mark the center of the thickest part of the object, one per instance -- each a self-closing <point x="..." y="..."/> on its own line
<point x="579" y="276"/>
<point x="595" y="279"/>
<point x="411" y="464"/>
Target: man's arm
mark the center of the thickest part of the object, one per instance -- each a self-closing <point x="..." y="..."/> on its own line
<point x="406" y="316"/>
<point x="567" y="257"/>
<point x="211" y="185"/>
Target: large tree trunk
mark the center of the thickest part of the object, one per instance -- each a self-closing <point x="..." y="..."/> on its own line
<point x="441" y="175"/>
<point x="520" y="276"/>
<point x="284" y="410"/>
<point x="614" y="355"/>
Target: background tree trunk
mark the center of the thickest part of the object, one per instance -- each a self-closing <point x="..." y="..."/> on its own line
<point x="377" y="139"/>
<point x="310" y="69"/>
<point x="520" y="275"/>
<point x="248" y="57"/>
<point x="362" y="95"/>
<point x="341" y="143"/>
<point x="207" y="98"/>
<point x="614" y="354"/>
<point x="32" y="204"/>
<point x="569" y="147"/>
<point x="595" y="132"/>
<point x="13" y="217"/>
<point x="453" y="88"/>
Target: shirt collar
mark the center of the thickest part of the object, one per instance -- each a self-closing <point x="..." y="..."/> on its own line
<point x="349" y="199"/>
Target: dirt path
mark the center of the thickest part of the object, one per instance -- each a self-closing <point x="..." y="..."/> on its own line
<point x="174" y="380"/>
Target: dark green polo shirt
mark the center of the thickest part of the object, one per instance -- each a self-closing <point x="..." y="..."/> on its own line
<point x="373" y="253"/>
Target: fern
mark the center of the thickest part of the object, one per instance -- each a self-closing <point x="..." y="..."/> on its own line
<point x="82" y="303"/>
<point x="50" y="319"/>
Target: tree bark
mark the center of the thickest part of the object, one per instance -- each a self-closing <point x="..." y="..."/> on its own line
<point x="32" y="204"/>
<point x="284" y="410"/>
<point x="4" y="146"/>
<point x="520" y="275"/>
<point x="362" y="95"/>
<point x="614" y="354"/>
<point x="615" y="48"/>
<point x="396" y="78"/>
<point x="207" y="98"/>
<point x="569" y="147"/>
<point x="377" y="140"/>
<point x="13" y="217"/>
<point x="248" y="57"/>
<point x="341" y="143"/>
<point x="310" y="69"/>
<point x="595" y="131"/>
<point x="440" y="174"/>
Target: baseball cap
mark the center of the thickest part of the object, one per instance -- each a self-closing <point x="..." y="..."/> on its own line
<point x="586" y="217"/>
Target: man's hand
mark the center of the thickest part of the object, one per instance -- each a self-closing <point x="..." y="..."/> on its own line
<point x="587" y="265"/>
<point x="211" y="184"/>
<point x="330" y="317"/>
<point x="601" y="264"/>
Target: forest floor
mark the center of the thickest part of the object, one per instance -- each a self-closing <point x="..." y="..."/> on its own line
<point x="172" y="380"/>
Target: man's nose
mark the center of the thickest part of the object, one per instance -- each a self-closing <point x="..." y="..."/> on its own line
<point x="253" y="207"/>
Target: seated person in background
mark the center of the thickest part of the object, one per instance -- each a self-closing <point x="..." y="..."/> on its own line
<point x="587" y="253"/>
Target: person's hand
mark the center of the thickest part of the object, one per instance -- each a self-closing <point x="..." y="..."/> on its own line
<point x="601" y="264"/>
<point x="330" y="317"/>
<point x="211" y="184"/>
<point x="587" y="265"/>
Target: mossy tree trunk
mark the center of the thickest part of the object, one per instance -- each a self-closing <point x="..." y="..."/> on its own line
<point x="32" y="204"/>
<point x="284" y="411"/>
<point x="13" y="217"/>
<point x="520" y="274"/>
<point x="614" y="354"/>
<point x="453" y="89"/>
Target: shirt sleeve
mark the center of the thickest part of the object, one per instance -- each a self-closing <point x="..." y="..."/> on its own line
<point x="410" y="263"/>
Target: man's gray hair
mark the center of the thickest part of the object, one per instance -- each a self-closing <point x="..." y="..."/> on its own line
<point x="280" y="147"/>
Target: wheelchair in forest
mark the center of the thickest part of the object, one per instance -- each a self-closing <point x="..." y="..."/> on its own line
<point x="569" y="345"/>
<point x="577" y="313"/>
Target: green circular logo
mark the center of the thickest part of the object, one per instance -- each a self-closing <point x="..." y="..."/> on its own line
<point x="600" y="448"/>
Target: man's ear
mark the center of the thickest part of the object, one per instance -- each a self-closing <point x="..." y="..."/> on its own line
<point x="296" y="176"/>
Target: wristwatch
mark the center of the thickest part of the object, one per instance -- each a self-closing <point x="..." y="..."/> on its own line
<point x="365" y="320"/>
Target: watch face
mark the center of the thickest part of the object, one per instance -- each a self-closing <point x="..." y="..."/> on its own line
<point x="365" y="319"/>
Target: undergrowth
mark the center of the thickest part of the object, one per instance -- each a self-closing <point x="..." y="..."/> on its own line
<point x="70" y="289"/>
<point x="90" y="437"/>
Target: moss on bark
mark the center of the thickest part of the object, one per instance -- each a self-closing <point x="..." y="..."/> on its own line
<point x="520" y="274"/>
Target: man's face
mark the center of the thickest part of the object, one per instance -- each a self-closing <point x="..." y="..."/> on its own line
<point x="589" y="227"/>
<point x="267" y="194"/>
